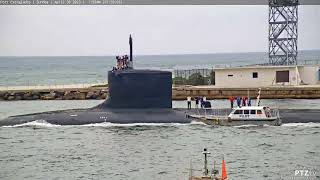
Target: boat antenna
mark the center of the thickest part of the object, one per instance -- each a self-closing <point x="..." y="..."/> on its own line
<point x="205" y="152"/>
<point x="258" y="97"/>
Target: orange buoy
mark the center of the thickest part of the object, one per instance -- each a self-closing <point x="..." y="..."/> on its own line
<point x="223" y="171"/>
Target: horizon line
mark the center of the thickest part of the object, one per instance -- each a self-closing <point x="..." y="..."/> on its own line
<point x="170" y="54"/>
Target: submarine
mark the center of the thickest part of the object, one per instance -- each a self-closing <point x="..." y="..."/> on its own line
<point x="135" y="96"/>
<point x="139" y="96"/>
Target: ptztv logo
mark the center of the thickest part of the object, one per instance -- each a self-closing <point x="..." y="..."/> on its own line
<point x="304" y="173"/>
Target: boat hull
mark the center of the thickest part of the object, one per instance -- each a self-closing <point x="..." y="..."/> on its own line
<point x="225" y="121"/>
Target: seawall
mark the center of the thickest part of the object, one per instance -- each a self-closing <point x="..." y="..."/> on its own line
<point x="55" y="94"/>
<point x="272" y="92"/>
<point x="178" y="93"/>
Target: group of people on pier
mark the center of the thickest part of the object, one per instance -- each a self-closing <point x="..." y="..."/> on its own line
<point x="200" y="102"/>
<point x="241" y="101"/>
<point x="122" y="63"/>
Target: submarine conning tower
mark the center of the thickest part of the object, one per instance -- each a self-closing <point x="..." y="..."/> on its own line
<point x="138" y="88"/>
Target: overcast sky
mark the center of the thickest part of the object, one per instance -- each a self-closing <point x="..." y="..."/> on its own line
<point x="104" y="30"/>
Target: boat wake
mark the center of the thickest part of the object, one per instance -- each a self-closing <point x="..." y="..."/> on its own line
<point x="311" y="124"/>
<point x="108" y="124"/>
<point x="247" y="126"/>
<point x="45" y="124"/>
<point x="36" y="123"/>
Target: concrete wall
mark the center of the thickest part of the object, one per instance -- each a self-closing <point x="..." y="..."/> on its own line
<point x="242" y="77"/>
<point x="57" y="94"/>
<point x="276" y="92"/>
<point x="309" y="74"/>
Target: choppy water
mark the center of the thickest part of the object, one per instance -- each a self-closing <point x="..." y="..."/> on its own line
<point x="24" y="71"/>
<point x="39" y="150"/>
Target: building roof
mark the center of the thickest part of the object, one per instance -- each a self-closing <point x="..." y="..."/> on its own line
<point x="258" y="67"/>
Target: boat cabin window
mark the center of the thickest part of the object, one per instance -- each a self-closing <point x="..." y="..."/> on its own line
<point x="246" y="111"/>
<point x="238" y="112"/>
<point x="252" y="111"/>
<point x="259" y="112"/>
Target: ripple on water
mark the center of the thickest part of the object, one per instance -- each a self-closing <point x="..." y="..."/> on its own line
<point x="264" y="145"/>
<point x="155" y="150"/>
<point x="311" y="124"/>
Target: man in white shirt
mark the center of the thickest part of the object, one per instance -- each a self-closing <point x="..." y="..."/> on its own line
<point x="189" y="102"/>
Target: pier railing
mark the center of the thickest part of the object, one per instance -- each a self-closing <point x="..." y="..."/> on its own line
<point x="213" y="112"/>
<point x="186" y="73"/>
<point x="312" y="62"/>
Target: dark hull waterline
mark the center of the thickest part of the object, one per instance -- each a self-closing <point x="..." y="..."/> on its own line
<point x="127" y="116"/>
<point x="90" y="116"/>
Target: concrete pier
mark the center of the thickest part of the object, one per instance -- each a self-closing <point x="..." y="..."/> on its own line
<point x="178" y="93"/>
<point x="272" y="92"/>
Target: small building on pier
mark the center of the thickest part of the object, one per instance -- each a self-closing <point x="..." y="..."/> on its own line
<point x="264" y="76"/>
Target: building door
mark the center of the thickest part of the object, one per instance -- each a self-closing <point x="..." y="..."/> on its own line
<point x="282" y="76"/>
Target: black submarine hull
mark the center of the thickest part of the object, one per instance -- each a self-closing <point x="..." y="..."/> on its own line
<point x="118" y="116"/>
<point x="135" y="96"/>
<point x="128" y="116"/>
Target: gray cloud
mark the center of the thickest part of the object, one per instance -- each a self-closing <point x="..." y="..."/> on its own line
<point x="104" y="30"/>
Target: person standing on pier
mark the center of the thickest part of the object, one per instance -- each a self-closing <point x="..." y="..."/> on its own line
<point x="201" y="102"/>
<point x="249" y="101"/>
<point x="197" y="102"/>
<point x="189" y="102"/>
<point x="231" y="99"/>
<point x="239" y="101"/>
<point x="244" y="101"/>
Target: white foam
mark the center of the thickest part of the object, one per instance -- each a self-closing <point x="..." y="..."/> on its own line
<point x="197" y="123"/>
<point x="246" y="125"/>
<point x="108" y="124"/>
<point x="36" y="123"/>
<point x="43" y="123"/>
<point x="311" y="124"/>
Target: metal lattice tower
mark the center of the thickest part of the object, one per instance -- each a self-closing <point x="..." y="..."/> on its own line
<point x="283" y="32"/>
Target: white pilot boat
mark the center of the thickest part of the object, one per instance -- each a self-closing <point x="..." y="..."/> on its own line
<point x="257" y="115"/>
<point x="245" y="115"/>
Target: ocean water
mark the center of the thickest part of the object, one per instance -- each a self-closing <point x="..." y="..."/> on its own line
<point x="38" y="150"/>
<point x="25" y="71"/>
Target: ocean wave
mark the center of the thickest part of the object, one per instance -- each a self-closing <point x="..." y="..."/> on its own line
<point x="246" y="126"/>
<point x="36" y="123"/>
<point x="197" y="123"/>
<point x="43" y="123"/>
<point x="311" y="124"/>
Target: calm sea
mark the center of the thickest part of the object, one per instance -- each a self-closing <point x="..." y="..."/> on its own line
<point x="24" y="71"/>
